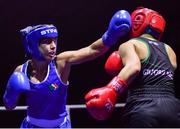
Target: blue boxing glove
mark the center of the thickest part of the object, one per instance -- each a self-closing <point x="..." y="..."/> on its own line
<point x="17" y="83"/>
<point x="119" y="26"/>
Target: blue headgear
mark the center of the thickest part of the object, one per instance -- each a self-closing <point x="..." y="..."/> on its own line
<point x="31" y="38"/>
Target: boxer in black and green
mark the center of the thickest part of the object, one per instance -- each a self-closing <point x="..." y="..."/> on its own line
<point x="147" y="72"/>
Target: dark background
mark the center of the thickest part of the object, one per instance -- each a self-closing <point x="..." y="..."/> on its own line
<point x="79" y="23"/>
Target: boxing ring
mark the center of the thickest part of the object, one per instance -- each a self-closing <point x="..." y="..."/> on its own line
<point x="78" y="115"/>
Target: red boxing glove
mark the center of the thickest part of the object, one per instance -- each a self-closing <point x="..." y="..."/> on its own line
<point x="114" y="63"/>
<point x="100" y="102"/>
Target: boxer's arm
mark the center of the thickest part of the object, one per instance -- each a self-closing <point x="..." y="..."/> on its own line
<point x="84" y="54"/>
<point x="100" y="102"/>
<point x="171" y="55"/>
<point x="119" y="26"/>
<point x="131" y="62"/>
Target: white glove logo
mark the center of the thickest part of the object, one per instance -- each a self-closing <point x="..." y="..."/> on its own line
<point x="109" y="104"/>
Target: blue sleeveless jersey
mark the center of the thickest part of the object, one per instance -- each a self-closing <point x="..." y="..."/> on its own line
<point x="47" y="99"/>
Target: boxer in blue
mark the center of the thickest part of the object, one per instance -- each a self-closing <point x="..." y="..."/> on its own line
<point x="44" y="76"/>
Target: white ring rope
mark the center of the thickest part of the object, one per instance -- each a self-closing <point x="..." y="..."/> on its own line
<point x="73" y="106"/>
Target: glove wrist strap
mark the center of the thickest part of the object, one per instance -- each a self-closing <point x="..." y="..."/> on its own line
<point x="118" y="85"/>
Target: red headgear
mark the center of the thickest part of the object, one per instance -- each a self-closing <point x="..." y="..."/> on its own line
<point x="145" y="20"/>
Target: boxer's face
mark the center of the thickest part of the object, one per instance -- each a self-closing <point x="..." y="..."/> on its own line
<point x="48" y="47"/>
